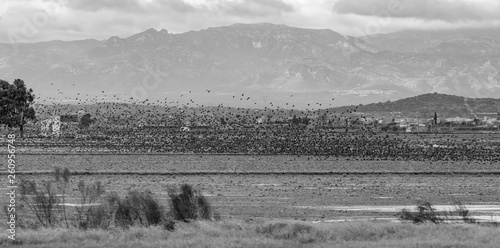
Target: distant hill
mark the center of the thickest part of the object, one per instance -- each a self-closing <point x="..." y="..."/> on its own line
<point x="422" y="106"/>
<point x="427" y="104"/>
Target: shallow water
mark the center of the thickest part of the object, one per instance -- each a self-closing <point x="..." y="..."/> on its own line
<point x="481" y="213"/>
<point x="479" y="218"/>
<point x="397" y="208"/>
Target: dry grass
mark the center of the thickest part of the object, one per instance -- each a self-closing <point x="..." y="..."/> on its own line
<point x="231" y="233"/>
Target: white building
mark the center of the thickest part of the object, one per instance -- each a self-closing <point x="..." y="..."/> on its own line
<point x="51" y="126"/>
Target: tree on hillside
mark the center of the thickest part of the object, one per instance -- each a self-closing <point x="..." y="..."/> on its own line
<point x="435" y="118"/>
<point x="85" y="121"/>
<point x="16" y="104"/>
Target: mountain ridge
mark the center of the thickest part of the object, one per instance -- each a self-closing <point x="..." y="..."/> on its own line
<point x="262" y="58"/>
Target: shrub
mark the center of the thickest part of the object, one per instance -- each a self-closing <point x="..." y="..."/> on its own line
<point x="425" y="212"/>
<point x="62" y="177"/>
<point x="428" y="213"/>
<point x="139" y="208"/>
<point x="41" y="202"/>
<point x="189" y="204"/>
<point x="123" y="215"/>
<point x="50" y="201"/>
<point x="89" y="194"/>
<point x="463" y="213"/>
<point x="99" y="217"/>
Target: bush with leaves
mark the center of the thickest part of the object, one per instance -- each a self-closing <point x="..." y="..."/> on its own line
<point x="137" y="209"/>
<point x="98" y="217"/>
<point x="189" y="204"/>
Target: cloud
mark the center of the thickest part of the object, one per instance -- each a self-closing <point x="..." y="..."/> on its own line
<point x="137" y="6"/>
<point x="437" y="10"/>
<point x="104" y="4"/>
<point x="176" y="5"/>
<point x="42" y="20"/>
<point x="256" y="8"/>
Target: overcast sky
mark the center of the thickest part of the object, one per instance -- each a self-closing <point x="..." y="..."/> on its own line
<point x="41" y="20"/>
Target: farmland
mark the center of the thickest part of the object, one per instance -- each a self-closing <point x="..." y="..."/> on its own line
<point x="312" y="188"/>
<point x="360" y="180"/>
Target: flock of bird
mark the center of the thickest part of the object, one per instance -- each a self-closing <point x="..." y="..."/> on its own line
<point x="274" y="141"/>
<point x="132" y="125"/>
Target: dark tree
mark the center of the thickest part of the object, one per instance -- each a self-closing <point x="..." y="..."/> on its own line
<point x="4" y="86"/>
<point x="435" y="118"/>
<point x="16" y="104"/>
<point x="86" y="120"/>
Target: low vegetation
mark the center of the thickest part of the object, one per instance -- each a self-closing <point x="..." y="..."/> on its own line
<point x="426" y="212"/>
<point x="137" y="209"/>
<point x="231" y="233"/>
<point x="138" y="219"/>
<point x="46" y="203"/>
<point x="189" y="204"/>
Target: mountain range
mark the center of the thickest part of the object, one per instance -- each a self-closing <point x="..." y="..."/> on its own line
<point x="270" y="63"/>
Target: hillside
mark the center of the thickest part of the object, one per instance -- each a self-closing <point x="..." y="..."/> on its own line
<point x="428" y="104"/>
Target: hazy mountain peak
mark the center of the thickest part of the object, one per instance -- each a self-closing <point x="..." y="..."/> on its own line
<point x="264" y="58"/>
<point x="150" y="35"/>
<point x="114" y="41"/>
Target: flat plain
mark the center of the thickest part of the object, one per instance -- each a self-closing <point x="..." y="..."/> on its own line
<point x="312" y="188"/>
